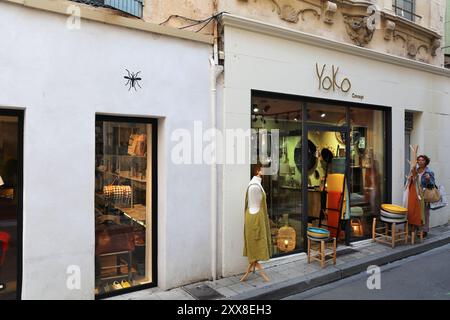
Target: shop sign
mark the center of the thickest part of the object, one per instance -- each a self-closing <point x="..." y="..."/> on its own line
<point x="331" y="81"/>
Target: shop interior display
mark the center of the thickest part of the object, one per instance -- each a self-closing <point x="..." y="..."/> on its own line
<point x="354" y="150"/>
<point x="121" y="205"/>
<point x="9" y="205"/>
<point x="326" y="155"/>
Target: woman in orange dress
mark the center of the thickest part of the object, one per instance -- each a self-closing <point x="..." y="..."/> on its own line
<point x="415" y="202"/>
<point x="420" y="177"/>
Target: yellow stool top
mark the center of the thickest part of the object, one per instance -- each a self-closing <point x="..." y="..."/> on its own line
<point x="393" y="208"/>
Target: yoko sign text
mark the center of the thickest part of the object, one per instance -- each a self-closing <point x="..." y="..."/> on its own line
<point x="331" y="81"/>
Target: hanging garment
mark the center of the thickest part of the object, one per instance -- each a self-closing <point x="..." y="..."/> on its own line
<point x="257" y="237"/>
<point x="416" y="205"/>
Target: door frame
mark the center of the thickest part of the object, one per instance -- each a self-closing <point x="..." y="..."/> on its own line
<point x="306" y="128"/>
<point x="20" y="114"/>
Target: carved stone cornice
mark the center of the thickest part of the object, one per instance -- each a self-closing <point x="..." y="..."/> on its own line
<point x="399" y="21"/>
<point x="290" y="13"/>
<point x="419" y="42"/>
<point x="362" y="20"/>
<point x="321" y="42"/>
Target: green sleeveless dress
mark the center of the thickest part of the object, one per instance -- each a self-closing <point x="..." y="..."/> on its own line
<point x="257" y="238"/>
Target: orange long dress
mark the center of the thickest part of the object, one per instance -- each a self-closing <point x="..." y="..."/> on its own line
<point x="414" y="208"/>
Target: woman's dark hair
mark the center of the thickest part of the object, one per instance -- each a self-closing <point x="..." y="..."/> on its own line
<point x="427" y="159"/>
<point x="255" y="168"/>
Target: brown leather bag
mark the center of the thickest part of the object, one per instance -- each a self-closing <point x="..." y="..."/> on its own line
<point x="431" y="195"/>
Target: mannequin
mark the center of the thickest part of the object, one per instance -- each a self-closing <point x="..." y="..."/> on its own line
<point x="257" y="239"/>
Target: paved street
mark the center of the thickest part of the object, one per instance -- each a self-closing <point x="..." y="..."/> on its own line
<point x="425" y="276"/>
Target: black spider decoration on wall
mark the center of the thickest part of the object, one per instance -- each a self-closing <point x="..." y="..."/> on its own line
<point x="133" y="80"/>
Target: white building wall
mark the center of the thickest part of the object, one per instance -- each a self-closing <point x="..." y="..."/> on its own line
<point x="258" y="60"/>
<point x="62" y="78"/>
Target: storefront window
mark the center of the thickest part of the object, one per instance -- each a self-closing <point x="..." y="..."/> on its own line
<point x="367" y="145"/>
<point x="9" y="205"/>
<point x="345" y="159"/>
<point x="324" y="114"/>
<point x="283" y="188"/>
<point x="123" y="204"/>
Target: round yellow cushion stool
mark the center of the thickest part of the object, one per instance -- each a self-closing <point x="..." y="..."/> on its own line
<point x="392" y="208"/>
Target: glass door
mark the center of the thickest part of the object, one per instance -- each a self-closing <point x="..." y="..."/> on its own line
<point x="325" y="177"/>
<point x="10" y="203"/>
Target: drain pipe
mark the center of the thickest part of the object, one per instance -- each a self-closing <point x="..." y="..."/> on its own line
<point x="216" y="70"/>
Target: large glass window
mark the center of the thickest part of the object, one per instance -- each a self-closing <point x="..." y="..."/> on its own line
<point x="344" y="166"/>
<point x="9" y="205"/>
<point x="123" y="204"/>
<point x="283" y="188"/>
<point x="367" y="164"/>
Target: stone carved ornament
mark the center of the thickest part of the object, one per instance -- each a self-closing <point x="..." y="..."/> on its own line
<point x="289" y="13"/>
<point x="389" y="31"/>
<point x="358" y="29"/>
<point x="330" y="11"/>
<point x="435" y="44"/>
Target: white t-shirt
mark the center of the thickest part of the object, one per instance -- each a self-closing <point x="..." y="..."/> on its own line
<point x="255" y="195"/>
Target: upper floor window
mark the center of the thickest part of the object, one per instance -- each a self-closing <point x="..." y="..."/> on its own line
<point x="405" y="8"/>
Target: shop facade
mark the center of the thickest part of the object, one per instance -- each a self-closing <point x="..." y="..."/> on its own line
<point x="337" y="112"/>
<point x="105" y="209"/>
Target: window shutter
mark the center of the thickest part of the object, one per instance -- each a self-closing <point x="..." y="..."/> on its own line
<point x="133" y="7"/>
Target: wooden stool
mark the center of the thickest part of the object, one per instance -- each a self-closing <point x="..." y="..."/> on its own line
<point x="413" y="236"/>
<point x="323" y="253"/>
<point x="388" y="234"/>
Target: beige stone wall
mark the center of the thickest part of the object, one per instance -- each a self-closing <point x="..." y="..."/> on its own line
<point x="158" y="11"/>
<point x="409" y="40"/>
<point x="340" y="20"/>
